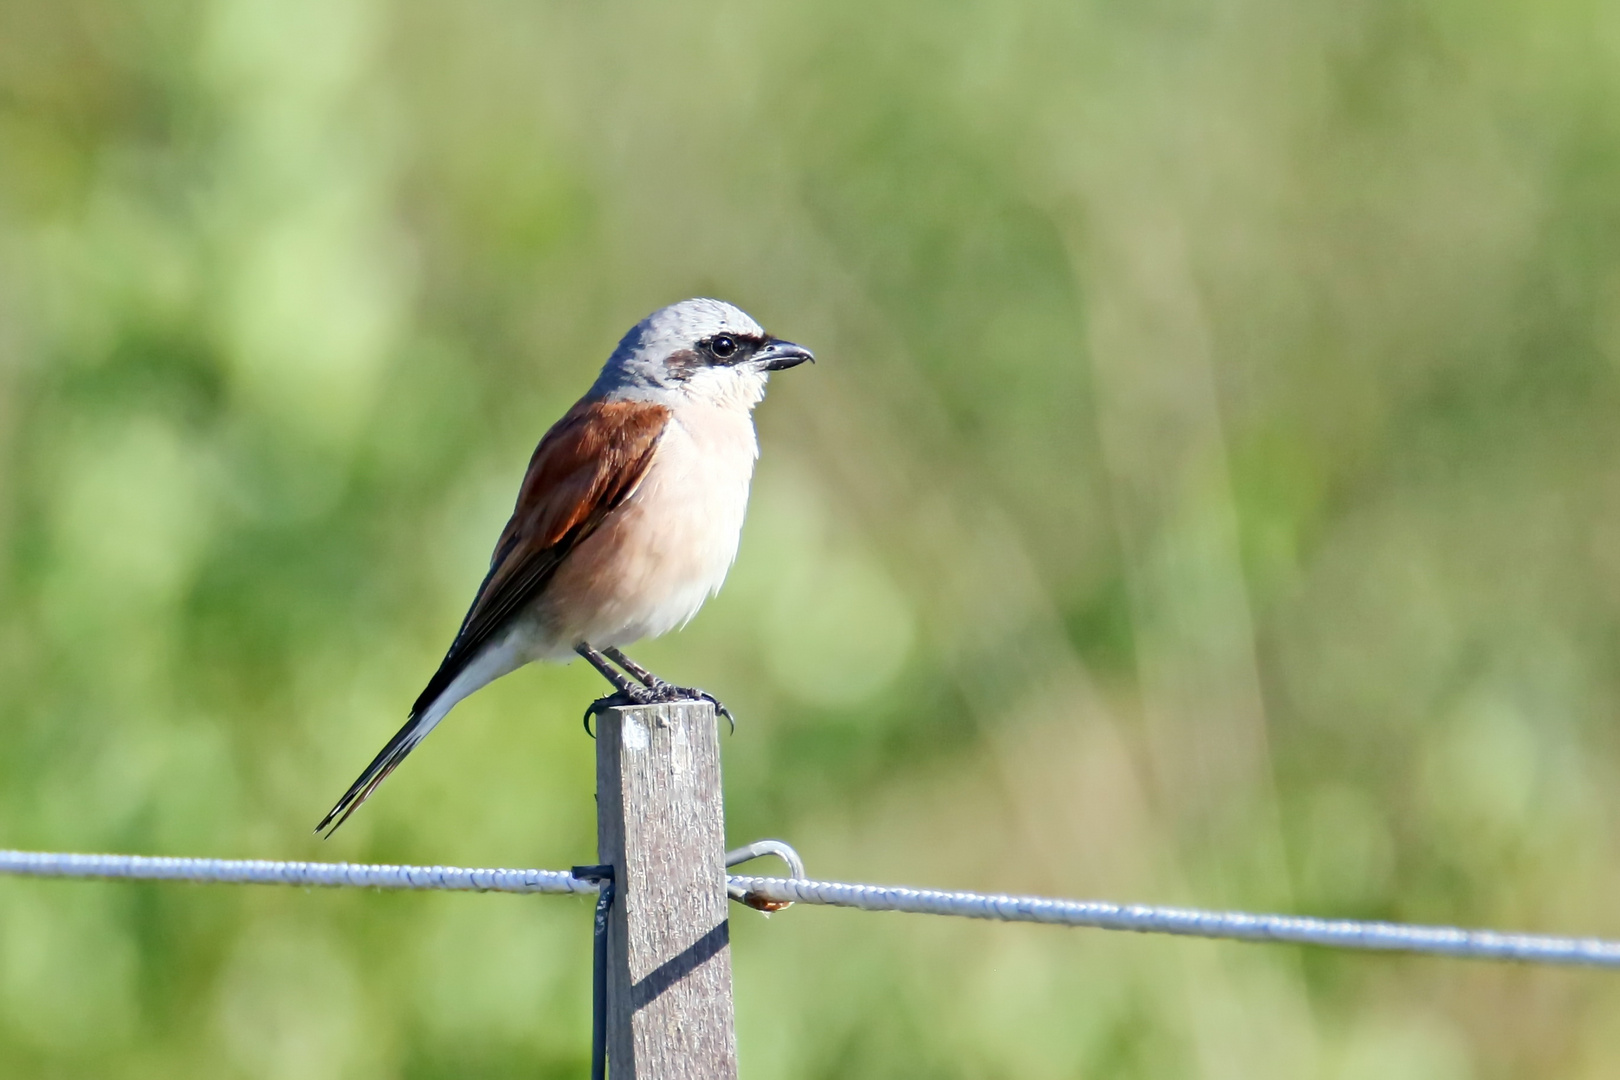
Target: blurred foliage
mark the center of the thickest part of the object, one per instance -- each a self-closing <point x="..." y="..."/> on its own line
<point x="1210" y="493"/>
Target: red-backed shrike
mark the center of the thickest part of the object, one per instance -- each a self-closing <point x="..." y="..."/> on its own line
<point x="627" y="520"/>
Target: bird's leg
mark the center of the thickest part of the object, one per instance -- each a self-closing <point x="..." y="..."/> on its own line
<point x="647" y="678"/>
<point x="666" y="691"/>
<point x="611" y="674"/>
<point x="625" y="691"/>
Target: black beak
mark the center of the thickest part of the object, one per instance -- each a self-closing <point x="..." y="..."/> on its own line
<point x="778" y="355"/>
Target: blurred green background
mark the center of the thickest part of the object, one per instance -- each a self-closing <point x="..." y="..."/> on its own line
<point x="1209" y="493"/>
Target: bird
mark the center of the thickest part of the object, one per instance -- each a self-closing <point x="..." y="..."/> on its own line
<point x="627" y="520"/>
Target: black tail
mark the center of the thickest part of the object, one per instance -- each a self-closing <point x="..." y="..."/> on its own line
<point x="403" y="742"/>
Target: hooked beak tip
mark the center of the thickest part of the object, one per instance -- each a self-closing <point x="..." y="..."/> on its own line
<point x="780" y="355"/>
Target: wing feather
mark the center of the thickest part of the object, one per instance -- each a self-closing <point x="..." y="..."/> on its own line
<point x="585" y="467"/>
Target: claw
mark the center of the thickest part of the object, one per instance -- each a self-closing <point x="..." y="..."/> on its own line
<point x="720" y="708"/>
<point x="602" y="704"/>
<point x="687" y="693"/>
<point x="663" y="693"/>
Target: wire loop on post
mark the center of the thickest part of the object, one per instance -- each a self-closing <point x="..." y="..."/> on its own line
<point x="782" y="850"/>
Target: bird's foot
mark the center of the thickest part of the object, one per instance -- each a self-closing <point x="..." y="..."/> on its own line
<point x="602" y="705"/>
<point x="659" y="693"/>
<point x="667" y="692"/>
<point x="662" y="691"/>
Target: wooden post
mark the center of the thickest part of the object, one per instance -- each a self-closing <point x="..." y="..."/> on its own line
<point x="661" y="825"/>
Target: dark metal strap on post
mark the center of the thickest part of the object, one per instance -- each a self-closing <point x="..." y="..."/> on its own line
<point x="603" y="876"/>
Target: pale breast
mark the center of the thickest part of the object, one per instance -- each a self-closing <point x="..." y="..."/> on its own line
<point x="657" y="558"/>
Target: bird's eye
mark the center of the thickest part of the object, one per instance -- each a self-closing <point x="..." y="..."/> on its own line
<point x="723" y="346"/>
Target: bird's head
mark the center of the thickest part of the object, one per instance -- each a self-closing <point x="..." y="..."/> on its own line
<point x="705" y="349"/>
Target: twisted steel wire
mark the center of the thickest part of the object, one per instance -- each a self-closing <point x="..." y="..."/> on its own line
<point x="1189" y="922"/>
<point x="263" y="872"/>
<point x="1096" y="914"/>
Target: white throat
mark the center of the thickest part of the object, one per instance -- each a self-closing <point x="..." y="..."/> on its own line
<point x="726" y="388"/>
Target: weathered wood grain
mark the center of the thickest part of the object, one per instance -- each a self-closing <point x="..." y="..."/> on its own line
<point x="661" y="824"/>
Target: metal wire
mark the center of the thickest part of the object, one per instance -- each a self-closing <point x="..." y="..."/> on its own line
<point x="760" y="848"/>
<point x="260" y="872"/>
<point x="1235" y="925"/>
<point x="1239" y="926"/>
